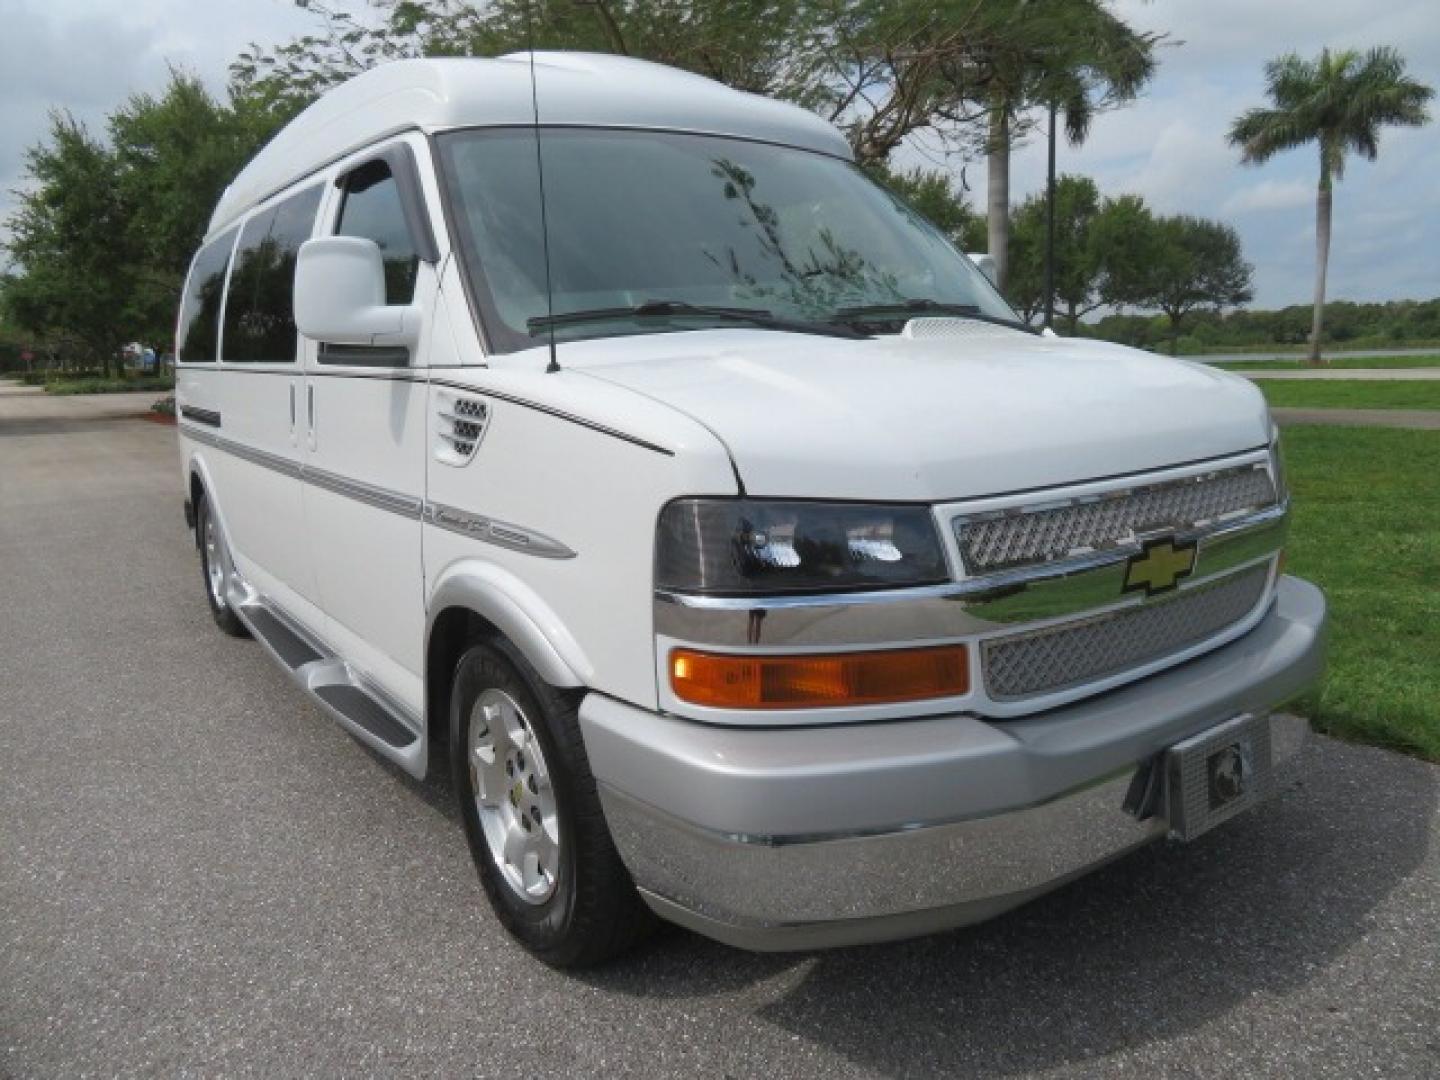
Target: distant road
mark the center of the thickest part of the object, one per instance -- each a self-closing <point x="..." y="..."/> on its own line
<point x="1230" y="358"/>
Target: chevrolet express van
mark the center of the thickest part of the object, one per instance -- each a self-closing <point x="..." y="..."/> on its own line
<point x="713" y="520"/>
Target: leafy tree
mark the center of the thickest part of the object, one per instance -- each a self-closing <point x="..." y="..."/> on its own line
<point x="1195" y="263"/>
<point x="1124" y="241"/>
<point x="1339" y="101"/>
<point x="932" y="192"/>
<point x="1077" y="270"/>
<point x="174" y="155"/>
<point x="1075" y="54"/>
<point x="104" y="231"/>
<point x="68" y="245"/>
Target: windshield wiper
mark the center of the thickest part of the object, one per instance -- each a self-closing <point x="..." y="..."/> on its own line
<point x="671" y="309"/>
<point x="903" y="309"/>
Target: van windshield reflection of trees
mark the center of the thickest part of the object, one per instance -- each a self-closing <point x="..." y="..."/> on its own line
<point x="817" y="283"/>
<point x="645" y="217"/>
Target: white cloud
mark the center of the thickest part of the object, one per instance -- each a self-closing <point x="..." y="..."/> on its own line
<point x="88" y="56"/>
<point x="1269" y="195"/>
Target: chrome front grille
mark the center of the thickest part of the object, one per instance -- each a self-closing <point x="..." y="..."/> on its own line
<point x="1012" y="538"/>
<point x="1071" y="654"/>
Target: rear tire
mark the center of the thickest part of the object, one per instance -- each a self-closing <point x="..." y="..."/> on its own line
<point x="532" y="814"/>
<point x="216" y="568"/>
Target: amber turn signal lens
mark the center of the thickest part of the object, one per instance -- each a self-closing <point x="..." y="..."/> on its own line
<point x="799" y="682"/>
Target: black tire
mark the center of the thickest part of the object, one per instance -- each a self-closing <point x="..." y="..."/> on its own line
<point x="593" y="913"/>
<point x="220" y="611"/>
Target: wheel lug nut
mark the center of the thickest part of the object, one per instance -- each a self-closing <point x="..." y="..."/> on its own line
<point x="520" y="761"/>
<point x="509" y="768"/>
<point x="534" y="786"/>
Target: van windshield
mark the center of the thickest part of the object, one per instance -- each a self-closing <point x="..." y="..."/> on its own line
<point x="661" y="231"/>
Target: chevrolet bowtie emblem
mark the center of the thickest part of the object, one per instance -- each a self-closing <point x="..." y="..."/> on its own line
<point x="1159" y="567"/>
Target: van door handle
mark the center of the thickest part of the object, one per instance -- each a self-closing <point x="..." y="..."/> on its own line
<point x="292" y="408"/>
<point x="310" y="412"/>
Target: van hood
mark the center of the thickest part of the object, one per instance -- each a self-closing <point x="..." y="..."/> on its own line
<point x="932" y="420"/>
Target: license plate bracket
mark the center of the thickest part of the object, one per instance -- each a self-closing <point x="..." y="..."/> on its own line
<point x="1221" y="772"/>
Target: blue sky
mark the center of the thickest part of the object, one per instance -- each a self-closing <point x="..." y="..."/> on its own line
<point x="88" y="55"/>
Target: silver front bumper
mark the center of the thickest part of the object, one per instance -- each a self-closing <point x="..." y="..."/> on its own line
<point x="805" y="838"/>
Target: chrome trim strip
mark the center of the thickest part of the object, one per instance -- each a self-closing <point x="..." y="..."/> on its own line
<point x="830" y="836"/>
<point x="383" y="498"/>
<point x="502" y="534"/>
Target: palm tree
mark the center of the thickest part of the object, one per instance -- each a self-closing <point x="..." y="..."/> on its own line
<point x="1074" y="54"/>
<point x="1340" y="101"/>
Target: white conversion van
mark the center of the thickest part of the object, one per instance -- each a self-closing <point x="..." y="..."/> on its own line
<point x="713" y="520"/>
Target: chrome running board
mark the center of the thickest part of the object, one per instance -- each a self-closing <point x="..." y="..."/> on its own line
<point x="362" y="709"/>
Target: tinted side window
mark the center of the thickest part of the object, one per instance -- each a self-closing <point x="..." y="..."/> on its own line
<point x="260" y="313"/>
<point x="372" y="209"/>
<point x="200" y="306"/>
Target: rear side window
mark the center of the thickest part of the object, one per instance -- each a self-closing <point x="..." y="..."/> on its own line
<point x="200" y="306"/>
<point x="372" y="209"/>
<point x="260" y="311"/>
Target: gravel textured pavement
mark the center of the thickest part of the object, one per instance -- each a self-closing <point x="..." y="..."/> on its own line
<point x="200" y="873"/>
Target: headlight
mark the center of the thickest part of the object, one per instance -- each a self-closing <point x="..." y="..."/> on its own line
<point x="739" y="546"/>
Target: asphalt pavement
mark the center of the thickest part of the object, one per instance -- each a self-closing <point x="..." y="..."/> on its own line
<point x="200" y="874"/>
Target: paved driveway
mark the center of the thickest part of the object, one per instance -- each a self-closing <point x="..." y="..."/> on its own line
<point x="199" y="872"/>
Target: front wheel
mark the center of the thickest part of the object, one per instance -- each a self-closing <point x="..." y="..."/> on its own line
<point x="532" y="815"/>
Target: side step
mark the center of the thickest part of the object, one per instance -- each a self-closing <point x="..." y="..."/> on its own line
<point x="289" y="648"/>
<point x="361" y="709"/>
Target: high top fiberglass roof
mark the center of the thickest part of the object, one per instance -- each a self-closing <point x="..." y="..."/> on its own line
<point x="580" y="89"/>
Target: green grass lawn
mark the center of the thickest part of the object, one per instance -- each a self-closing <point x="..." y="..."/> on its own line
<point x="1348" y="394"/>
<point x="1367" y="530"/>
<point x="109" y="386"/>
<point x="1336" y="362"/>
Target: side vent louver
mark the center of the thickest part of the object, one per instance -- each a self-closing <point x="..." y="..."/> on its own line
<point x="460" y="425"/>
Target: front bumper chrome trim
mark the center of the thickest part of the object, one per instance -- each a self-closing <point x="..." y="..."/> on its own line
<point x="816" y="892"/>
<point x="795" y="837"/>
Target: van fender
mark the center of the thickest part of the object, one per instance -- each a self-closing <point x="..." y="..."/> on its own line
<point x="518" y="612"/>
<point x="198" y="467"/>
